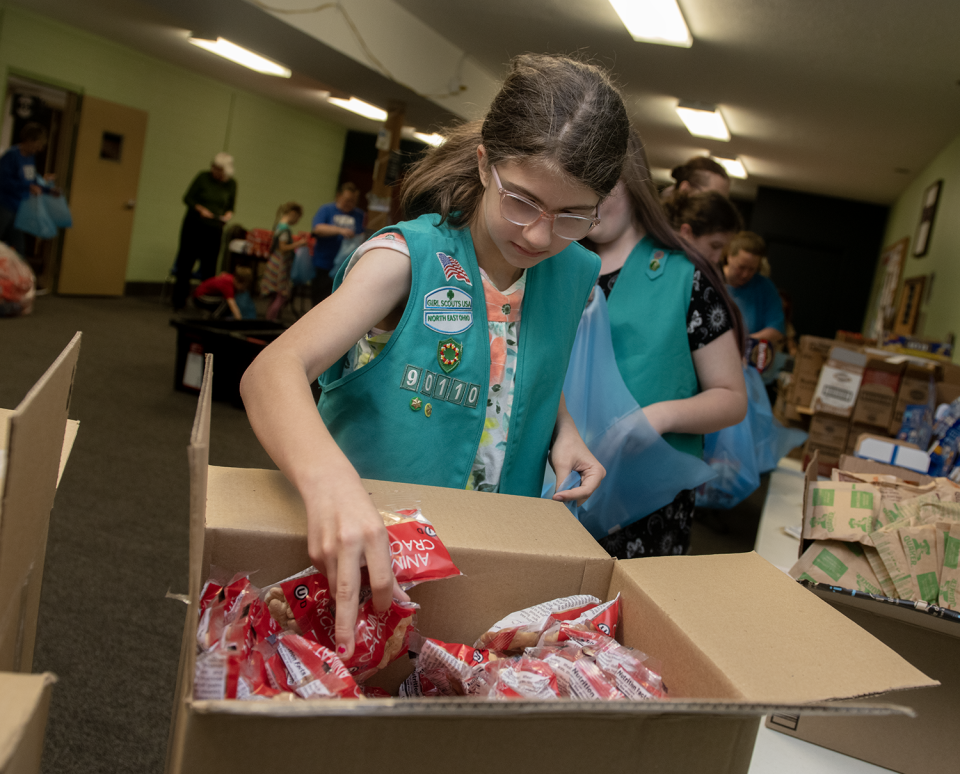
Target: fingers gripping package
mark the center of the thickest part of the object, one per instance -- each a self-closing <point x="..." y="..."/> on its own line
<point x="279" y="643"/>
<point x="304" y="604"/>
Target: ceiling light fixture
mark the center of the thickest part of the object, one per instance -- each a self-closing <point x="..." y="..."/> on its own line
<point x="654" y="21"/>
<point x="734" y="167"/>
<point x="233" y="52"/>
<point x="703" y="121"/>
<point x="360" y="107"/>
<point x="436" y="140"/>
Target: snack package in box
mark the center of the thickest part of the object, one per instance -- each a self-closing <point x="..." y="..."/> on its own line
<point x="920" y="548"/>
<point x="520" y="677"/>
<point x="603" y="618"/>
<point x="454" y="669"/>
<point x="417" y="553"/>
<point x="304" y="604"/>
<point x="523" y="628"/>
<point x="950" y="569"/>
<point x="315" y="671"/>
<point x="839" y="564"/>
<point x="847" y="512"/>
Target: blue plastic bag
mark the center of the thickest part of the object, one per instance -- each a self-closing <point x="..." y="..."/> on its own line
<point x="644" y="472"/>
<point x="302" y="272"/>
<point x="32" y="218"/>
<point x="742" y="453"/>
<point x="58" y="210"/>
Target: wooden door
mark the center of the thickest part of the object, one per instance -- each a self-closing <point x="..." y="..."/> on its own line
<point x="103" y="194"/>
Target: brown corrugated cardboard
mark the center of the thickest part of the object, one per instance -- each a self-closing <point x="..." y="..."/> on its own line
<point x="839" y="382"/>
<point x="927" y="745"/>
<point x="878" y="393"/>
<point x="915" y="389"/>
<point x="923" y="637"/>
<point x="23" y="720"/>
<point x="829" y="433"/>
<point x="802" y="389"/>
<point x="736" y="637"/>
<point x="35" y="449"/>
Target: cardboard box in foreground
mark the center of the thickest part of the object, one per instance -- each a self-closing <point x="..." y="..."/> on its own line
<point x="737" y="639"/>
<point x="35" y="442"/>
<point x="929" y="638"/>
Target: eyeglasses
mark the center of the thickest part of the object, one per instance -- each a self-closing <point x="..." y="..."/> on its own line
<point x="523" y="212"/>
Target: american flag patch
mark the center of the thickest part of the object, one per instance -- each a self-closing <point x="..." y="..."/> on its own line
<point x="452" y="268"/>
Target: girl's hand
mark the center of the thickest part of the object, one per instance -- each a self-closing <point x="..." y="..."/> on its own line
<point x="570" y="453"/>
<point x="344" y="532"/>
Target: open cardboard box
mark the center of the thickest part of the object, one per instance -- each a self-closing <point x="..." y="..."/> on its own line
<point x="928" y="637"/>
<point x="737" y="638"/>
<point x="35" y="443"/>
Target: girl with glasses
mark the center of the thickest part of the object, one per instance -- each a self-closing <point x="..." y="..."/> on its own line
<point x="677" y="339"/>
<point x="442" y="351"/>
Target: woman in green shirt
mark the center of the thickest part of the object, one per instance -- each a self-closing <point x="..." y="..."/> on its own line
<point x="210" y="202"/>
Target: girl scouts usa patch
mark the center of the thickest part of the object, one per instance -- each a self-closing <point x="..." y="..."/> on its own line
<point x="448" y="310"/>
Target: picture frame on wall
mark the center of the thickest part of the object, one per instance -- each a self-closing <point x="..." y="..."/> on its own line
<point x="921" y="241"/>
<point x="908" y="311"/>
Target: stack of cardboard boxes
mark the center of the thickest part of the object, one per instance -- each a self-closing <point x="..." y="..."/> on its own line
<point x="841" y="390"/>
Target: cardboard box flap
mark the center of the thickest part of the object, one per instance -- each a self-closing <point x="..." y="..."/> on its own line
<point x="23" y="719"/>
<point x="869" y="467"/>
<point x="772" y="640"/>
<point x="34" y="449"/>
<point x="198" y="455"/>
<point x="263" y="500"/>
<point x="479" y="708"/>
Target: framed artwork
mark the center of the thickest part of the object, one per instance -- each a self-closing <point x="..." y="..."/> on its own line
<point x="922" y="239"/>
<point x="893" y="259"/>
<point x="908" y="311"/>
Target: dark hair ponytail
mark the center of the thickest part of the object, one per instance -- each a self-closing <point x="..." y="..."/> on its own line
<point x="652" y="218"/>
<point x="550" y="109"/>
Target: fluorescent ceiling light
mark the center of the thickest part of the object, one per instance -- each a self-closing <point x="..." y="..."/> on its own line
<point x="360" y="107"/>
<point x="654" y="21"/>
<point x="734" y="167"/>
<point x="241" y="56"/>
<point x="436" y="140"/>
<point x="703" y="121"/>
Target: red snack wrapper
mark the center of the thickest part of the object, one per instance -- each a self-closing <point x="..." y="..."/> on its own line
<point x="418" y="554"/>
<point x="600" y="619"/>
<point x="523" y="629"/>
<point x="520" y="678"/>
<point x="454" y="669"/>
<point x="372" y="692"/>
<point x="223" y="609"/>
<point x="304" y="605"/>
<point x="315" y="671"/>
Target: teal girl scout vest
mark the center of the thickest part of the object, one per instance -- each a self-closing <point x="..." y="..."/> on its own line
<point x="416" y="412"/>
<point x="648" y="323"/>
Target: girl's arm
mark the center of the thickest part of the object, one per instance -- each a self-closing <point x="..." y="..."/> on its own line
<point x="343" y="526"/>
<point x="722" y="400"/>
<point x="569" y="453"/>
<point x="234" y="309"/>
<point x="768" y="334"/>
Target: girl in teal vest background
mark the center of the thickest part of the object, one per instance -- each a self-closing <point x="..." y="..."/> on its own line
<point x="676" y="338"/>
<point x="451" y="329"/>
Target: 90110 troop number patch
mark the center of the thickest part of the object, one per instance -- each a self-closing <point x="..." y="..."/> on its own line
<point x="440" y="386"/>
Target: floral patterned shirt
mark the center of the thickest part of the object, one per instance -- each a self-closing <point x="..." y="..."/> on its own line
<point x="503" y="329"/>
<point x="707" y="316"/>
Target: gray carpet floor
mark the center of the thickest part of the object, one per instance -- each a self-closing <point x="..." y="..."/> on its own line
<point x="118" y="532"/>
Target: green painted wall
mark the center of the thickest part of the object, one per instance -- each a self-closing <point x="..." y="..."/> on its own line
<point x="940" y="314"/>
<point x="281" y="154"/>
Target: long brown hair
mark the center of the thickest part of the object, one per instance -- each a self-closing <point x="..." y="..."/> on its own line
<point x="651" y="216"/>
<point x="550" y="109"/>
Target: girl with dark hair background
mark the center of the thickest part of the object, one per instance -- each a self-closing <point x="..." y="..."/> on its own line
<point x="701" y="173"/>
<point x="677" y="339"/>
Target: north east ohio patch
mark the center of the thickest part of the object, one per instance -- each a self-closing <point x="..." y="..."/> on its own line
<point x="448" y="310"/>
